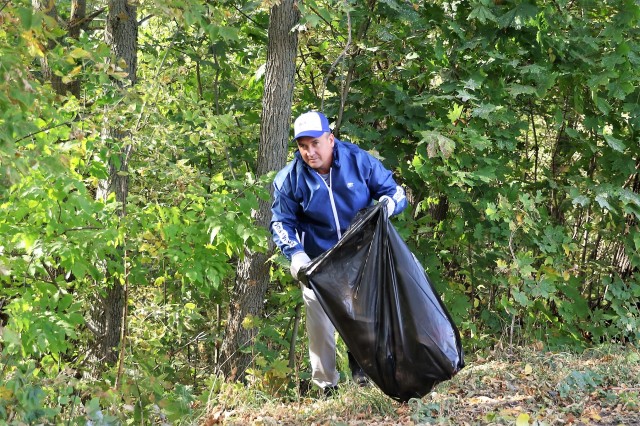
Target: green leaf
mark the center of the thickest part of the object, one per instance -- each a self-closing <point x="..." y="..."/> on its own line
<point x="454" y="113"/>
<point x="434" y="140"/>
<point x="521" y="298"/>
<point x="484" y="110"/>
<point x="614" y="143"/>
<point x="583" y="200"/>
<point x="482" y="14"/>
<point x="518" y="16"/>
<point x="601" y="199"/>
<point x="26" y="17"/>
<point x="518" y="89"/>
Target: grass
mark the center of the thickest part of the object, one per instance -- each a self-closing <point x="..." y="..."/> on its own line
<point x="599" y="386"/>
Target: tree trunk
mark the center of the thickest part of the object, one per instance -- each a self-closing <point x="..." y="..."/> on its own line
<point x="122" y="36"/>
<point x="49" y="8"/>
<point x="253" y="271"/>
<point x="78" y="16"/>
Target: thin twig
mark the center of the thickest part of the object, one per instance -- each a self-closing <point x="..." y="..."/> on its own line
<point x="86" y="20"/>
<point x="124" y="328"/>
<point x="146" y="18"/>
<point x="46" y="129"/>
<point x="81" y="228"/>
<point x="248" y="17"/>
<point x="342" y="54"/>
<point x="633" y="175"/>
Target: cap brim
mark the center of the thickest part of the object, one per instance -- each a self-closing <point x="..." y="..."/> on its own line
<point x="312" y="133"/>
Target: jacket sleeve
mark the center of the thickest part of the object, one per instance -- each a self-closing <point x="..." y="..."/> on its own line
<point x="381" y="183"/>
<point x="284" y="218"/>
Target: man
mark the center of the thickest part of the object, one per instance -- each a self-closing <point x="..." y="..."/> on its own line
<point x="316" y="196"/>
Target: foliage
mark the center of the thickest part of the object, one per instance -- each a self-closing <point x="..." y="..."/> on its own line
<point x="513" y="126"/>
<point x="519" y="144"/>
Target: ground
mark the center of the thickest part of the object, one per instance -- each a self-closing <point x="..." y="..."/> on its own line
<point x="519" y="387"/>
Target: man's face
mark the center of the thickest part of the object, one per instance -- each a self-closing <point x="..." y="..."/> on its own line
<point x="317" y="152"/>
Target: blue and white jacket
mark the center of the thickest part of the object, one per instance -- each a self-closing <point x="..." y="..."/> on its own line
<point x="310" y="214"/>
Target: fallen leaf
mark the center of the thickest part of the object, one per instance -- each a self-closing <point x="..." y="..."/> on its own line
<point x="522" y="420"/>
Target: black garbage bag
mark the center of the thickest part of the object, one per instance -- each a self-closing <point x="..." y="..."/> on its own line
<point x="384" y="307"/>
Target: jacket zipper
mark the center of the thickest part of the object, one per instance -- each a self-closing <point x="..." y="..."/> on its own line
<point x="333" y="204"/>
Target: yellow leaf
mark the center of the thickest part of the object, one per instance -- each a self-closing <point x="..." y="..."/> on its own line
<point x="75" y="71"/>
<point x="249" y="322"/>
<point x="528" y="369"/>
<point x="69" y="77"/>
<point x="522" y="420"/>
<point x="78" y="53"/>
<point x="5" y="393"/>
<point x="33" y="44"/>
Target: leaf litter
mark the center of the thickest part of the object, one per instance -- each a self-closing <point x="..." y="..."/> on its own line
<point x="525" y="386"/>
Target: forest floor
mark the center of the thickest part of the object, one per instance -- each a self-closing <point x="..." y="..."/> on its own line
<point x="599" y="386"/>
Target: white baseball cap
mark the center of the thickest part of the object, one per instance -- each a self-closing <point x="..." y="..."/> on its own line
<point x="312" y="123"/>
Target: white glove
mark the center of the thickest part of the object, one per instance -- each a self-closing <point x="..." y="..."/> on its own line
<point x="298" y="260"/>
<point x="391" y="205"/>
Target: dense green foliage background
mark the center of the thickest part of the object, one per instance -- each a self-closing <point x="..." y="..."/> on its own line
<point x="514" y="126"/>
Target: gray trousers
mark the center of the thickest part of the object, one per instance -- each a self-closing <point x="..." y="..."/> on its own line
<point x="322" y="342"/>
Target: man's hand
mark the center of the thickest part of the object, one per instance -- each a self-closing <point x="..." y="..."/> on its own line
<point x="298" y="260"/>
<point x="391" y="205"/>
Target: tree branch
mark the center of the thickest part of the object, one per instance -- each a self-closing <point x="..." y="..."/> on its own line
<point x="342" y="54"/>
<point x="84" y="21"/>
<point x="81" y="228"/>
<point x="46" y="129"/>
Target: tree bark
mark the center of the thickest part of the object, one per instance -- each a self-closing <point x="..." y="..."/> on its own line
<point x="253" y="271"/>
<point x="122" y="36"/>
<point x="76" y="22"/>
<point x="49" y="9"/>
